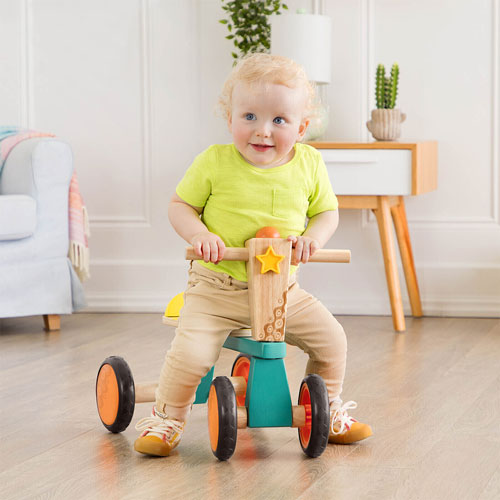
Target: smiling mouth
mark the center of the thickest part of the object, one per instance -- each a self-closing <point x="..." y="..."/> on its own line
<point x="261" y="147"/>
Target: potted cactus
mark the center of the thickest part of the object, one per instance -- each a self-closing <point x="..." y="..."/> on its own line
<point x="385" y="124"/>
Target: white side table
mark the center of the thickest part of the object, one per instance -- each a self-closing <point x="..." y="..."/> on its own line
<point x="377" y="176"/>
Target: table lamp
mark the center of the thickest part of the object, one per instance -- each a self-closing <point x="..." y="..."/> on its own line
<point x="306" y="38"/>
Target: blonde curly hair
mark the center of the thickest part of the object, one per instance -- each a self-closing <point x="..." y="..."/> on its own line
<point x="267" y="68"/>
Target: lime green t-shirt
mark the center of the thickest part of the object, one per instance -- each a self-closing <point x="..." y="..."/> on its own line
<point x="239" y="198"/>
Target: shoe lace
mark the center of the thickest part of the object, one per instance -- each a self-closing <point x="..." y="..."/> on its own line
<point x="157" y="424"/>
<point x="340" y="416"/>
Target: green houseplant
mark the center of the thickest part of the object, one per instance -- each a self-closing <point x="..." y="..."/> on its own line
<point x="248" y="24"/>
<point x="385" y="124"/>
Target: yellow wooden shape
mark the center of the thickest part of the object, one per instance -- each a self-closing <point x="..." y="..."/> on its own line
<point x="174" y="306"/>
<point x="270" y="261"/>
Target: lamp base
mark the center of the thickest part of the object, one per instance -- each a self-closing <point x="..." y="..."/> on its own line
<point x="318" y="125"/>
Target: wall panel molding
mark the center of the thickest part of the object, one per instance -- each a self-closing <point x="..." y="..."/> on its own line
<point x="143" y="220"/>
<point x="25" y="111"/>
<point x="28" y="118"/>
<point x="367" y="66"/>
<point x="495" y="117"/>
<point x="367" y="70"/>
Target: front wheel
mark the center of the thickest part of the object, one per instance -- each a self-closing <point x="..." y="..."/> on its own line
<point x="222" y="418"/>
<point x="115" y="394"/>
<point x="313" y="436"/>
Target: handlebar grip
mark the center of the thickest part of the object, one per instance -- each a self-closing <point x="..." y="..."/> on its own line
<point x="322" y="255"/>
<point x="231" y="253"/>
<point x="327" y="255"/>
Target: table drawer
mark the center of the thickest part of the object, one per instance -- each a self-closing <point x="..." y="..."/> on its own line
<point x="369" y="171"/>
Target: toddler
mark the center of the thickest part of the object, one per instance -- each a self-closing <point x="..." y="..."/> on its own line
<point x="266" y="177"/>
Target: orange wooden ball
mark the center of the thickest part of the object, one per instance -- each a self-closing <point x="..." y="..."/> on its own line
<point x="268" y="232"/>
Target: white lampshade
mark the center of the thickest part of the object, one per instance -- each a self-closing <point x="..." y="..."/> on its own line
<point x="305" y="38"/>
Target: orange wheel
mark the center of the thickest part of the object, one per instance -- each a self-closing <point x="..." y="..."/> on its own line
<point x="213" y="418"/>
<point x="305" y="431"/>
<point x="241" y="368"/>
<point x="222" y="418"/>
<point x="115" y="394"/>
<point x="313" y="435"/>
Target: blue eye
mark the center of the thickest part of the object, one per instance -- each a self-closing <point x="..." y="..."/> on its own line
<point x="250" y="116"/>
<point x="279" y="121"/>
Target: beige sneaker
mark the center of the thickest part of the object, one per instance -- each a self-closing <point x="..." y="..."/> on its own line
<point x="160" y="434"/>
<point x="343" y="428"/>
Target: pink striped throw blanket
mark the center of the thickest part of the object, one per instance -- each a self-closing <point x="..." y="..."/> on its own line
<point x="78" y="218"/>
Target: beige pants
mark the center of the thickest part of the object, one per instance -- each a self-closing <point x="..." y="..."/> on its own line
<point x="214" y="305"/>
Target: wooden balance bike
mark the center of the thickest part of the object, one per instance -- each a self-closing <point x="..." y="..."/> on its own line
<point x="257" y="393"/>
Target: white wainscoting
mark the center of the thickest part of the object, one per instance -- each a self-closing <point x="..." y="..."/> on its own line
<point x="132" y="86"/>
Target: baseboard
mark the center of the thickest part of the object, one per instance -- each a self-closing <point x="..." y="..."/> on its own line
<point x="487" y="307"/>
<point x="126" y="303"/>
<point x="459" y="289"/>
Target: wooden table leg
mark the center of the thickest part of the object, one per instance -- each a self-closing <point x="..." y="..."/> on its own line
<point x="52" y="322"/>
<point x="383" y="214"/>
<point x="403" y="235"/>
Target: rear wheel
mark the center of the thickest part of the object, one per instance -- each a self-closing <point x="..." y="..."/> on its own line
<point x="241" y="368"/>
<point x="115" y="394"/>
<point x="222" y="418"/>
<point x="313" y="436"/>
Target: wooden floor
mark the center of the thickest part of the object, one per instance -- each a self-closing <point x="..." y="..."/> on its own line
<point x="432" y="396"/>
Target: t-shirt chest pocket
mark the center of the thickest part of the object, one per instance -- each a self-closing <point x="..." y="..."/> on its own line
<point x="287" y="203"/>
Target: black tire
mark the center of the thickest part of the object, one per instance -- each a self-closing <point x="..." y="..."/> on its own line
<point x="314" y="436"/>
<point x="222" y="418"/>
<point x="115" y="415"/>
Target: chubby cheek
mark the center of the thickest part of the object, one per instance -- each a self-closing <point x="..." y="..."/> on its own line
<point x="240" y="135"/>
<point x="284" y="141"/>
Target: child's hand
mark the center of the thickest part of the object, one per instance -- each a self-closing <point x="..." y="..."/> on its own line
<point x="208" y="246"/>
<point x="303" y="247"/>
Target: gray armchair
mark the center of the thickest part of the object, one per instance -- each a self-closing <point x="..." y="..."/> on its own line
<point x="36" y="276"/>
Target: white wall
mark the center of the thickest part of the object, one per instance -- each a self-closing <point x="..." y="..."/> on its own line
<point x="132" y="84"/>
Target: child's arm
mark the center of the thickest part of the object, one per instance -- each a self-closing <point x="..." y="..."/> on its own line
<point x="318" y="231"/>
<point x="185" y="219"/>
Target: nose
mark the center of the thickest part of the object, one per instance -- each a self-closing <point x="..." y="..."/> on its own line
<point x="263" y="130"/>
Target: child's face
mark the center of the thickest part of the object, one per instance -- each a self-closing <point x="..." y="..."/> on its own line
<point x="266" y="121"/>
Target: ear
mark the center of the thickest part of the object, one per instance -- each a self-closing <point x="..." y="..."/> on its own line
<point x="302" y="128"/>
<point x="230" y="123"/>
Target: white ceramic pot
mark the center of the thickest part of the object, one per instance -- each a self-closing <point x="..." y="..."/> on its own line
<point x="385" y="124"/>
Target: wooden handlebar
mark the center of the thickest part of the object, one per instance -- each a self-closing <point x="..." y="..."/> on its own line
<point x="231" y="253"/>
<point x="322" y="255"/>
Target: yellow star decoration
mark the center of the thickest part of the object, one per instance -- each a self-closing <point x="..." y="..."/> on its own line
<point x="270" y="261"/>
